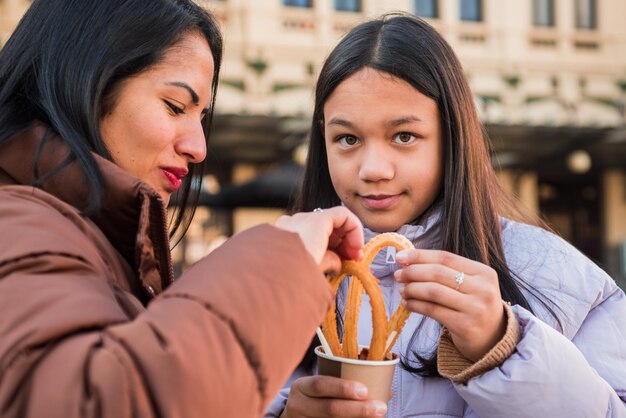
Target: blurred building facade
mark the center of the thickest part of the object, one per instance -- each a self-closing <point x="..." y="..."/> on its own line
<point x="548" y="76"/>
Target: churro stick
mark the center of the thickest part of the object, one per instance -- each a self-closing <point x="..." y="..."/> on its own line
<point x="388" y="239"/>
<point x="350" y="345"/>
<point x="396" y="323"/>
<point x="379" y="314"/>
<point x="398" y="319"/>
<point x="329" y="324"/>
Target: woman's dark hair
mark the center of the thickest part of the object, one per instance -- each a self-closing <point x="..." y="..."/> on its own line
<point x="65" y="60"/>
<point x="471" y="199"/>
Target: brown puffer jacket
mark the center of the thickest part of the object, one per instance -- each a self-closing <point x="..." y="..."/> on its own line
<point x="76" y="339"/>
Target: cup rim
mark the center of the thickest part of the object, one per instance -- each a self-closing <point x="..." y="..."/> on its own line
<point x="320" y="353"/>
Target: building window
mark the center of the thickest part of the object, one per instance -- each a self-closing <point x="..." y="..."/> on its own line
<point x="586" y="14"/>
<point x="471" y="10"/>
<point x="543" y="12"/>
<point x="348" y="5"/>
<point x="298" y="3"/>
<point x="426" y="8"/>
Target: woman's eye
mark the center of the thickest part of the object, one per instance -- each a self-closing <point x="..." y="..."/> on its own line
<point x="347" y="140"/>
<point x="404" y="138"/>
<point x="177" y="110"/>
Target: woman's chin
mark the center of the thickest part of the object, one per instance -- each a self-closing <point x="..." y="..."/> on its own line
<point x="165" y="196"/>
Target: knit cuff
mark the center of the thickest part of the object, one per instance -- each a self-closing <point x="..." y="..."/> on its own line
<point x="452" y="365"/>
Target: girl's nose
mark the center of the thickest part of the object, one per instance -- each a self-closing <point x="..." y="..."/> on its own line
<point x="376" y="165"/>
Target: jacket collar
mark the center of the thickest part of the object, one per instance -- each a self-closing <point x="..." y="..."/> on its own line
<point x="132" y="215"/>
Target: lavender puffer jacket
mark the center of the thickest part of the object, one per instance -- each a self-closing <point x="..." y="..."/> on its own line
<point x="577" y="371"/>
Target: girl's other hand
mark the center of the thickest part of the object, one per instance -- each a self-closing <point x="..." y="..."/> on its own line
<point x="461" y="294"/>
<point x="326" y="396"/>
<point x="329" y="235"/>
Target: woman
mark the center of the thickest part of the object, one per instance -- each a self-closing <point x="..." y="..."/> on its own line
<point x="103" y="109"/>
<point x="507" y="319"/>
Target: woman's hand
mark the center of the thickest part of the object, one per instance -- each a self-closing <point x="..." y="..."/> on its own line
<point x="329" y="235"/>
<point x="461" y="294"/>
<point x="325" y="396"/>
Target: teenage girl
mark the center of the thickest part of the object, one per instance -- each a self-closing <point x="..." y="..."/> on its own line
<point x="508" y="320"/>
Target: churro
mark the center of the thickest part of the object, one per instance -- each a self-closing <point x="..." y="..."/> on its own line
<point x="363" y="279"/>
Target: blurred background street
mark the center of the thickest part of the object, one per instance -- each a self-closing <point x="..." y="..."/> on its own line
<point x="548" y="76"/>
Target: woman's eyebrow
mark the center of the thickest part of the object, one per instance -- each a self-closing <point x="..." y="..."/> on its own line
<point x="194" y="96"/>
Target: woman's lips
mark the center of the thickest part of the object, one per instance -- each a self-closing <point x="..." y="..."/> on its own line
<point x="174" y="176"/>
<point x="380" y="201"/>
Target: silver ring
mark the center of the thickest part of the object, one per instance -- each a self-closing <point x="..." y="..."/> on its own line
<point x="318" y="210"/>
<point x="458" y="279"/>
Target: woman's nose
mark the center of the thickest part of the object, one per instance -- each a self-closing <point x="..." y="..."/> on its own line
<point x="192" y="143"/>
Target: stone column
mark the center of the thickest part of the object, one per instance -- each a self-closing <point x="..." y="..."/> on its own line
<point x="614" y="204"/>
<point x="524" y="185"/>
<point x="528" y="190"/>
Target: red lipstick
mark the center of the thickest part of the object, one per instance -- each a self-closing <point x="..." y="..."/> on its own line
<point x="174" y="176"/>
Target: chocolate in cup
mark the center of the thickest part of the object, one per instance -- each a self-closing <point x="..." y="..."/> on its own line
<point x="375" y="375"/>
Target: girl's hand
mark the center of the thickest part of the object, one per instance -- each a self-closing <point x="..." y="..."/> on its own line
<point x="329" y="235"/>
<point x="472" y="311"/>
<point x="326" y="396"/>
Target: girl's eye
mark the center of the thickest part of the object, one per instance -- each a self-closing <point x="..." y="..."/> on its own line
<point x="404" y="138"/>
<point x="347" y="141"/>
<point x="177" y="110"/>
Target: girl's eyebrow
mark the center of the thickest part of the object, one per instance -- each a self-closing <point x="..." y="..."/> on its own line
<point x="403" y="120"/>
<point x="341" y="122"/>
<point x="394" y="122"/>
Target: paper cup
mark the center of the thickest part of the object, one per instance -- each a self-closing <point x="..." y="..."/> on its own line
<point x="375" y="375"/>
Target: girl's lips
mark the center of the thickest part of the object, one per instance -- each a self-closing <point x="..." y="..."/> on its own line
<point x="380" y="201"/>
<point x="173" y="179"/>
